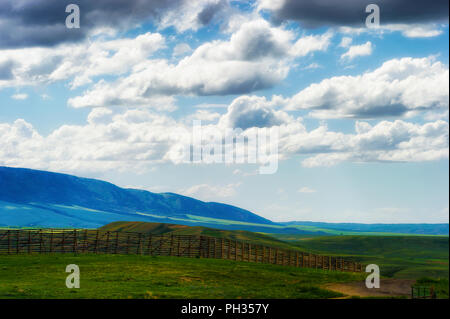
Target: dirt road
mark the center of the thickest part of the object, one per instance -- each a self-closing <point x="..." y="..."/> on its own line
<point x="388" y="288"/>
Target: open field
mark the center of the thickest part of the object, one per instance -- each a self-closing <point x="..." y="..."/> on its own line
<point x="130" y="276"/>
<point x="403" y="260"/>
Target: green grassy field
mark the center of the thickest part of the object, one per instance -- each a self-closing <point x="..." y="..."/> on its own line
<point x="120" y="276"/>
<point x="424" y="258"/>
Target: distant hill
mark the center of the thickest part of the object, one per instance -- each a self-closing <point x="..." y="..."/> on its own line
<point x="43" y="190"/>
<point x="419" y="229"/>
<point x="174" y="229"/>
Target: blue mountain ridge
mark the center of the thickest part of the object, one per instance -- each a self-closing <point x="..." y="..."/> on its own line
<point x="35" y="198"/>
<point x="41" y="189"/>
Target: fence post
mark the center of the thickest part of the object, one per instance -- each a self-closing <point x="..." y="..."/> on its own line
<point x="160" y="245"/>
<point x="200" y="246"/>
<point x="200" y="251"/>
<point x="171" y="245"/>
<point x="74" y="241"/>
<point x="296" y="259"/>
<point x="178" y="248"/>
<point x="51" y="240"/>
<point x="107" y="242"/>
<point x="249" y="252"/>
<point x="138" y="250"/>
<point x="85" y="245"/>
<point x="128" y="244"/>
<point x="96" y="242"/>
<point x="62" y="241"/>
<point x="17" y="241"/>
<point x="116" y="249"/>
<point x="229" y="249"/>
<point x="149" y="247"/>
<point x="29" y="242"/>
<point x="263" y="253"/>
<point x="189" y="246"/>
<point x="9" y="241"/>
<point x="40" y="241"/>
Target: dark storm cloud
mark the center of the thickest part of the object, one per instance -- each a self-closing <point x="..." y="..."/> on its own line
<point x="42" y="22"/>
<point x="352" y="12"/>
<point x="208" y="13"/>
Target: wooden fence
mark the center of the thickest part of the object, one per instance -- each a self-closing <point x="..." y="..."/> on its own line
<point x="105" y="242"/>
<point x="420" y="292"/>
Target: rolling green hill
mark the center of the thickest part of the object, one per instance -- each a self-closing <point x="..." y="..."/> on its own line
<point x="175" y="229"/>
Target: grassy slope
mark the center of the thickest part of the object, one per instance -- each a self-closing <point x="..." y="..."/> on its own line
<point x="112" y="276"/>
<point x="399" y="257"/>
<point x="161" y="228"/>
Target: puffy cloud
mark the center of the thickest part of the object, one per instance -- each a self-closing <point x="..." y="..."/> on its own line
<point x="139" y="139"/>
<point x="397" y="87"/>
<point x="253" y="111"/>
<point x="358" y="50"/>
<point x="42" y="22"/>
<point x="181" y="49"/>
<point x="208" y="192"/>
<point x="20" y="96"/>
<point x="413" y="30"/>
<point x="131" y="140"/>
<point x="345" y="42"/>
<point x="257" y="56"/>
<point x="311" y="43"/>
<point x="100" y="115"/>
<point x="129" y="93"/>
<point x="204" y="115"/>
<point x="352" y="12"/>
<point x="306" y="190"/>
<point x="396" y="141"/>
<point x="79" y="62"/>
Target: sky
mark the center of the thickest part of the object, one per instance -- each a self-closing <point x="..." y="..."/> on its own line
<point x="361" y="111"/>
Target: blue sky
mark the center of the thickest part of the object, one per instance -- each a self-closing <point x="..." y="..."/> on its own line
<point x="362" y="113"/>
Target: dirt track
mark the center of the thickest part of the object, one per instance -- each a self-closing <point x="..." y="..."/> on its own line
<point x="388" y="288"/>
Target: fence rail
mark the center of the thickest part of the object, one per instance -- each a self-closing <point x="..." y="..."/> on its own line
<point x="117" y="242"/>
